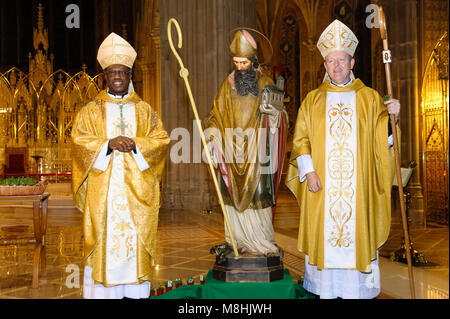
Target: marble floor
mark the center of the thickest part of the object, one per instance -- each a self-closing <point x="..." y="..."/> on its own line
<point x="183" y="242"/>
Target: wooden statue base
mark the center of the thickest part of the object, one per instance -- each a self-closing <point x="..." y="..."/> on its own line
<point x="248" y="268"/>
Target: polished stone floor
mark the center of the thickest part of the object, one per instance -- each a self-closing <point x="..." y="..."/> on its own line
<point x="184" y="239"/>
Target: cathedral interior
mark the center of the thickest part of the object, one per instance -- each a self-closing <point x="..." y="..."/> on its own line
<point x="48" y="71"/>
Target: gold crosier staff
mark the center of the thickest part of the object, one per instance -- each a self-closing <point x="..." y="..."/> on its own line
<point x="184" y="73"/>
<point x="387" y="61"/>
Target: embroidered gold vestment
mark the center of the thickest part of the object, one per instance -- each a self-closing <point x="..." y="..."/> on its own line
<point x="373" y="168"/>
<point x="248" y="185"/>
<point x="90" y="186"/>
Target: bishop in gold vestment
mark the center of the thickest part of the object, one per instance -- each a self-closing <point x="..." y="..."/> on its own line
<point x="341" y="172"/>
<point x="119" y="151"/>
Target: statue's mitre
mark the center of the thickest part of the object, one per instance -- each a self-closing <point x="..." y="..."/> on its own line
<point x="337" y="37"/>
<point x="243" y="45"/>
<point x="115" y="50"/>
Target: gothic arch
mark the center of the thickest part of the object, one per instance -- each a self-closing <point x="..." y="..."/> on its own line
<point x="435" y="139"/>
<point x="287" y="44"/>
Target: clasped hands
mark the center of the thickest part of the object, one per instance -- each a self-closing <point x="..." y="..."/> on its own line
<point x="122" y="144"/>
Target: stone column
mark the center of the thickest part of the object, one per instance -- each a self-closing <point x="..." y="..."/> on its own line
<point x="147" y="38"/>
<point x="402" y="20"/>
<point x="155" y="71"/>
<point x="147" y="81"/>
<point x="4" y="138"/>
<point x="206" y="27"/>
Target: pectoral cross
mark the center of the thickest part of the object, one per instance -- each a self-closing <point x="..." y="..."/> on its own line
<point x="122" y="126"/>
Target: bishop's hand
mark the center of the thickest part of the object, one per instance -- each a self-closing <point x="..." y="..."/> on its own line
<point x="122" y="144"/>
<point x="313" y="181"/>
<point x="393" y="107"/>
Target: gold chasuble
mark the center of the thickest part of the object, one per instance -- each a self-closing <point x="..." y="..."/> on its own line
<point x="239" y="129"/>
<point x="249" y="144"/>
<point x="123" y="199"/>
<point x="344" y="224"/>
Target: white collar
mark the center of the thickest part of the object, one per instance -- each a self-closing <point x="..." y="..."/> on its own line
<point x="342" y="85"/>
<point x="118" y="96"/>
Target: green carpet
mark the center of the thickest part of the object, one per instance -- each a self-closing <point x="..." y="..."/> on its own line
<point x="215" y="289"/>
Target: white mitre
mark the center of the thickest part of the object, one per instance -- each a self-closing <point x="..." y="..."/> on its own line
<point x="337" y="37"/>
<point x="115" y="50"/>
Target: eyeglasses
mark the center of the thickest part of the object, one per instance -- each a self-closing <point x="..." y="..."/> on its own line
<point x="121" y="73"/>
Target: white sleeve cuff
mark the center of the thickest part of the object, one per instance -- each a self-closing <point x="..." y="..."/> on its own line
<point x="305" y="166"/>
<point x="391" y="138"/>
<point x="140" y="160"/>
<point x="102" y="161"/>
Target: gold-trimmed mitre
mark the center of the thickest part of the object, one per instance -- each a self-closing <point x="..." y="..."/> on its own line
<point x="337" y="37"/>
<point x="115" y="50"/>
<point x="243" y="45"/>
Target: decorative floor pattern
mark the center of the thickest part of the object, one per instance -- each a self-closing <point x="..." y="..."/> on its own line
<point x="183" y="242"/>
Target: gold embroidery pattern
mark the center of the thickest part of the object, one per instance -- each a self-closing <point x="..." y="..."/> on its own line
<point x="123" y="241"/>
<point x="341" y="164"/>
<point x="122" y="231"/>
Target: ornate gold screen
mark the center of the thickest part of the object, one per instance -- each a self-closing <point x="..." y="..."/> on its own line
<point x="38" y="116"/>
<point x="435" y="133"/>
<point x="37" y="109"/>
